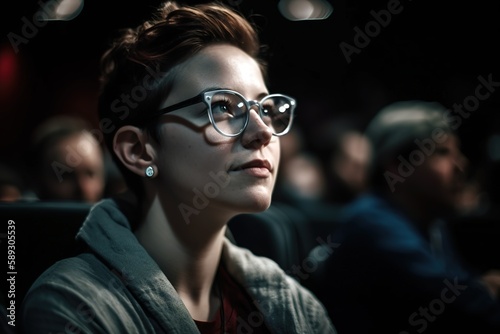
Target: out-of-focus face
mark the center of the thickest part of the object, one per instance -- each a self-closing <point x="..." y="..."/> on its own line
<point x="10" y="193"/>
<point x="74" y="170"/>
<point x="350" y="164"/>
<point x="439" y="181"/>
<point x="201" y="168"/>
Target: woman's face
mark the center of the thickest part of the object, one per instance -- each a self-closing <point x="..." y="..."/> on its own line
<point x="201" y="170"/>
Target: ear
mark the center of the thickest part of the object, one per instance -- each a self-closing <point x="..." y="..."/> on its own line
<point x="132" y="147"/>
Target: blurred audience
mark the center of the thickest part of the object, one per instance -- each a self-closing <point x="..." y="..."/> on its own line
<point x="68" y="161"/>
<point x="302" y="184"/>
<point x="476" y="231"/>
<point x="345" y="152"/>
<point x="393" y="267"/>
<point x="12" y="186"/>
<point x="489" y="178"/>
<point x="301" y="176"/>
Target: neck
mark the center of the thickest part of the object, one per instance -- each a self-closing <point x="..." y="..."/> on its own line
<point x="188" y="254"/>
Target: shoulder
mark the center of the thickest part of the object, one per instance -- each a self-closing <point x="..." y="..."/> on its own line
<point x="68" y="295"/>
<point x="284" y="302"/>
<point x="82" y="272"/>
<point x="374" y="215"/>
<point x="248" y="268"/>
<point x="374" y="228"/>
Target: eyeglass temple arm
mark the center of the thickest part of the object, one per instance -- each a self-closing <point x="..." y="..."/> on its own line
<point x="180" y="105"/>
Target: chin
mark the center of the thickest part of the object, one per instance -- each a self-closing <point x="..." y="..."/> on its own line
<point x="255" y="202"/>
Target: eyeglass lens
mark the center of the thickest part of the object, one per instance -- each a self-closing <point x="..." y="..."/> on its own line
<point x="229" y="112"/>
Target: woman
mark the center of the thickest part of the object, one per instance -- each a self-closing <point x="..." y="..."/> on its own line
<point x="187" y="114"/>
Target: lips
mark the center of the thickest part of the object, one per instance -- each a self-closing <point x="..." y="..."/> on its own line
<point x="254" y="164"/>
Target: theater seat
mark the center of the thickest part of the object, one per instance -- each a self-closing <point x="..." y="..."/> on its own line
<point x="44" y="234"/>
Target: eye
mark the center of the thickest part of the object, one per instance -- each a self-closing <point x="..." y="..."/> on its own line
<point x="222" y="106"/>
<point x="269" y="110"/>
<point x="227" y="106"/>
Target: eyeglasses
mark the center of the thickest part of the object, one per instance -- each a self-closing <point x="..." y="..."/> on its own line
<point x="229" y="114"/>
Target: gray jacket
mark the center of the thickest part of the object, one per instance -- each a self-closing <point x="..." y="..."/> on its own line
<point x="117" y="287"/>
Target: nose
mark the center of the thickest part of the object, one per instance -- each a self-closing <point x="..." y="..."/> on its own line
<point x="257" y="133"/>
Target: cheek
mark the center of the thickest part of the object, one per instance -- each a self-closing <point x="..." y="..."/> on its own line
<point x="185" y="158"/>
<point x="443" y="171"/>
<point x="436" y="176"/>
<point x="275" y="149"/>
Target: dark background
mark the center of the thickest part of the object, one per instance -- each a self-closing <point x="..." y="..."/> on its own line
<point x="430" y="50"/>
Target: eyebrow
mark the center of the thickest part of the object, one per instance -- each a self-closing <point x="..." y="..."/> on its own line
<point x="259" y="97"/>
<point x="215" y="88"/>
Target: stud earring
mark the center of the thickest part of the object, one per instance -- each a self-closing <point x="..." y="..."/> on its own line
<point x="150" y="172"/>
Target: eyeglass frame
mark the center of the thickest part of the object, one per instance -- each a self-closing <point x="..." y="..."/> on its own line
<point x="206" y="96"/>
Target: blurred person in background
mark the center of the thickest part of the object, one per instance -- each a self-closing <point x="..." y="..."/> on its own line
<point x="68" y="162"/>
<point x="395" y="268"/>
<point x="300" y="179"/>
<point x="302" y="184"/>
<point x="345" y="155"/>
<point x="476" y="230"/>
<point x="12" y="187"/>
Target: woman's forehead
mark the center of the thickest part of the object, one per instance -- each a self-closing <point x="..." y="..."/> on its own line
<point x="219" y="66"/>
<point x="221" y="62"/>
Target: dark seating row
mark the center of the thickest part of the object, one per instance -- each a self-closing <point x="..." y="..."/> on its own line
<point x="45" y="231"/>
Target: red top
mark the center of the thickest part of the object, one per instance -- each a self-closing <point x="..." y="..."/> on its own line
<point x="240" y="314"/>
